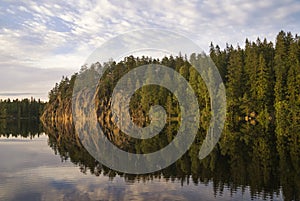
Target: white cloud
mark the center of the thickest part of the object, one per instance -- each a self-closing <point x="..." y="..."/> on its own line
<point x="22" y="8"/>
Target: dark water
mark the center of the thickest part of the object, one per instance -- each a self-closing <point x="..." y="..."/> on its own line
<point x="50" y="164"/>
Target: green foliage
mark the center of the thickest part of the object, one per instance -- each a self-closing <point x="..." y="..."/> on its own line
<point x="262" y="84"/>
<point x="261" y="140"/>
<point x="21" y="109"/>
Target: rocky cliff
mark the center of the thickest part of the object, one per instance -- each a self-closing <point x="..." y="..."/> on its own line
<point x="58" y="114"/>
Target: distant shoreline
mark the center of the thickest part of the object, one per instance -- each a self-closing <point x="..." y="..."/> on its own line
<point x="21" y="118"/>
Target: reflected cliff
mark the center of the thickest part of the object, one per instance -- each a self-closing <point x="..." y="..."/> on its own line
<point x="247" y="156"/>
<point x="247" y="160"/>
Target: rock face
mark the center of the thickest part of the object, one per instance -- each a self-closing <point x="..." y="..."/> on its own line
<point x="58" y="114"/>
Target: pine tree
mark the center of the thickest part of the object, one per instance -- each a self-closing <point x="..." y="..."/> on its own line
<point x="293" y="84"/>
<point x="280" y="68"/>
<point x="262" y="83"/>
<point x="251" y="65"/>
<point x="235" y="83"/>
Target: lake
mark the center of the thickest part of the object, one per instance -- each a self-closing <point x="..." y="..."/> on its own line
<point x="40" y="163"/>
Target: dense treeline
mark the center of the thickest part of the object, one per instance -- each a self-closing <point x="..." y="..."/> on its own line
<point x="262" y="84"/>
<point x="63" y="89"/>
<point x="21" y="109"/>
<point x="260" y="141"/>
<point x="150" y="95"/>
<point x="146" y="96"/>
<point x="262" y="80"/>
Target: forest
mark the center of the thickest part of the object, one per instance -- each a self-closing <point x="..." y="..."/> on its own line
<point x="262" y="88"/>
<point x="260" y="140"/>
<point x="21" y="109"/>
<point x="262" y="82"/>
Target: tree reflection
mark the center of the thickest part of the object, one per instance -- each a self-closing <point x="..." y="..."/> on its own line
<point x="247" y="156"/>
<point x="25" y="128"/>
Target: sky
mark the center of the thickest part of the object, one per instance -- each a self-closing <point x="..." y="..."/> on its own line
<point x="40" y="41"/>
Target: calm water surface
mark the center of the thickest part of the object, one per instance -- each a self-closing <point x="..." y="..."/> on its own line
<point x="37" y="165"/>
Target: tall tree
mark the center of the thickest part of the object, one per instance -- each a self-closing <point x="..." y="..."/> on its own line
<point x="235" y="84"/>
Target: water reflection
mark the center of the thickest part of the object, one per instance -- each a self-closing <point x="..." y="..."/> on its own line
<point x="248" y="163"/>
<point x="20" y="127"/>
<point x="247" y="158"/>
